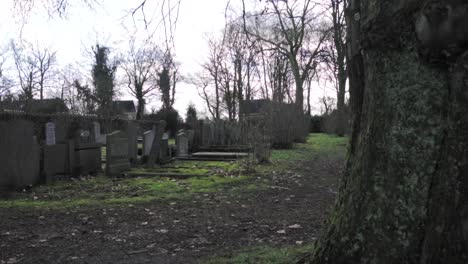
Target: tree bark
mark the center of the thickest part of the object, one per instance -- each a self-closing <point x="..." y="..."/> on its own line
<point x="404" y="193"/>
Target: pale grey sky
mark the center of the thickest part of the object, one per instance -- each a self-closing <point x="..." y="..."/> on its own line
<point x="80" y="30"/>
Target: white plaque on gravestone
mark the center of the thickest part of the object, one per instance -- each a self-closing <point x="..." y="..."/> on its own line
<point x="50" y="133"/>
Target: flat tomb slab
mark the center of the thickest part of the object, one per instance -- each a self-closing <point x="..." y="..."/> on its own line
<point x="227" y="155"/>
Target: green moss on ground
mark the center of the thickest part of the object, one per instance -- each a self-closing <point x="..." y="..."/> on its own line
<point x="99" y="191"/>
<point x="316" y="144"/>
<point x="261" y="255"/>
<point x="214" y="176"/>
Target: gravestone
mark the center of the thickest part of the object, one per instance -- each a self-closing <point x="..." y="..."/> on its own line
<point x="87" y="153"/>
<point x="88" y="158"/>
<point x="61" y="131"/>
<point x="148" y="138"/>
<point x="56" y="161"/>
<point x="117" y="160"/>
<point x="156" y="145"/>
<point x="182" y="144"/>
<point x="191" y="137"/>
<point x="19" y="154"/>
<point x="98" y="138"/>
<point x="50" y="133"/>
<point x="206" y="134"/>
<point x="164" y="152"/>
<point x="132" y="134"/>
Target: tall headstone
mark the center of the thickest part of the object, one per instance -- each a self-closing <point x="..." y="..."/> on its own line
<point x="191" y="137"/>
<point x="132" y="134"/>
<point x="148" y="138"/>
<point x="117" y="161"/>
<point x="19" y="154"/>
<point x="206" y="134"/>
<point x="182" y="144"/>
<point x="50" y="133"/>
<point x="97" y="132"/>
<point x="55" y="161"/>
<point x="164" y="151"/>
<point x="155" y="147"/>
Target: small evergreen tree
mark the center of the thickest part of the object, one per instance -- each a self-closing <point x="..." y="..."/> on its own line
<point x="103" y="74"/>
<point x="191" y="116"/>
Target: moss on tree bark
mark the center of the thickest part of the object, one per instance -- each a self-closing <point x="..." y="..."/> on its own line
<point x="403" y="195"/>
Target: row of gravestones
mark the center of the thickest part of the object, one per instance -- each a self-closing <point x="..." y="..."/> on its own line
<point x="21" y="155"/>
<point x="119" y="158"/>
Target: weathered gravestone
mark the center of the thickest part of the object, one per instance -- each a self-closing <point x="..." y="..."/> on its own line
<point x="19" y="154"/>
<point x="50" y="133"/>
<point x="164" y="151"/>
<point x="206" y="134"/>
<point x="191" y="137"/>
<point x="148" y="138"/>
<point x="57" y="161"/>
<point x="156" y="145"/>
<point x="132" y="134"/>
<point x="117" y="160"/>
<point x="182" y="144"/>
<point x="87" y="153"/>
<point x="98" y="137"/>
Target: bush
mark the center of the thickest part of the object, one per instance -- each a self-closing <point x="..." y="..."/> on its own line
<point x="334" y="124"/>
<point x="316" y="124"/>
<point x="286" y="123"/>
<point x="172" y="118"/>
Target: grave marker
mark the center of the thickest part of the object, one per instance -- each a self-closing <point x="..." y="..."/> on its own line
<point x="117" y="160"/>
<point x="182" y="144"/>
<point x="156" y="145"/>
<point x="148" y="138"/>
<point x="50" y="133"/>
<point x="19" y="154"/>
<point x="132" y="134"/>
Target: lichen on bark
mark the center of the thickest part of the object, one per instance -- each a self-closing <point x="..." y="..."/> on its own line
<point x="408" y="134"/>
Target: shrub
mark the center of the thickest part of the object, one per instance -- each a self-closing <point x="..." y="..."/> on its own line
<point x="316" y="124"/>
<point x="333" y="123"/>
<point x="172" y="118"/>
<point x="286" y="124"/>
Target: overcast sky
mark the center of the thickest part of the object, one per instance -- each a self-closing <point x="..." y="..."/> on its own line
<point x="108" y="24"/>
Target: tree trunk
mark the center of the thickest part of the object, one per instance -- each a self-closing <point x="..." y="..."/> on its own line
<point x="341" y="122"/>
<point x="404" y="193"/>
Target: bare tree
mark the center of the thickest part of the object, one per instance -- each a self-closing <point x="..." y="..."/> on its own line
<point x="327" y="103"/>
<point x="300" y="36"/>
<point x="139" y="65"/>
<point x="27" y="73"/>
<point x="5" y="82"/>
<point x="213" y="66"/>
<point x="334" y="58"/>
<point x="53" y="7"/>
<point x="67" y="79"/>
<point x="44" y="60"/>
<point x="202" y="83"/>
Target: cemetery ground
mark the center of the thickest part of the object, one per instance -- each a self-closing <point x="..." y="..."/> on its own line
<point x="219" y="212"/>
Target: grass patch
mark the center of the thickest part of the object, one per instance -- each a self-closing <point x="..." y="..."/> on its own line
<point x="214" y="176"/>
<point x="171" y="141"/>
<point x="262" y="255"/>
<point x="316" y="144"/>
<point x="97" y="191"/>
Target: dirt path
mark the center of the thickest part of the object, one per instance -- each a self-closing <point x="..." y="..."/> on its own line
<point x="289" y="212"/>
